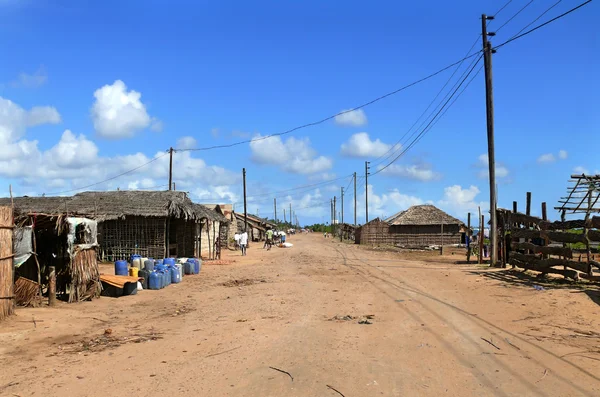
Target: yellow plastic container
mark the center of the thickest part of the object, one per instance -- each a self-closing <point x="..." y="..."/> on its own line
<point x="133" y="271"/>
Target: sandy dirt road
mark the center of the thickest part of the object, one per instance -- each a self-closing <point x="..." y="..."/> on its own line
<point x="221" y="333"/>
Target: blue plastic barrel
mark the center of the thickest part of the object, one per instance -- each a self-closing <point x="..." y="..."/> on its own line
<point x="121" y="268"/>
<point x="169" y="261"/>
<point x="167" y="276"/>
<point x="159" y="262"/>
<point x="154" y="281"/>
<point x="198" y="265"/>
<point x="175" y="275"/>
<point x="149" y="265"/>
<point x="189" y="267"/>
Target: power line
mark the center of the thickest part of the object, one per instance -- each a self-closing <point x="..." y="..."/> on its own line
<point x="337" y="114"/>
<point x="395" y="145"/>
<point x="425" y="130"/>
<point x="502" y="8"/>
<point x="513" y="17"/>
<point x="542" y="25"/>
<point x="535" y="20"/>
<point x="109" y="179"/>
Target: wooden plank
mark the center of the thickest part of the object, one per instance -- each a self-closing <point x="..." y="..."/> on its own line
<point x="594" y="235"/>
<point x="542" y="264"/>
<point x="528" y="204"/>
<point x="566" y="252"/>
<point x="562" y="237"/>
<point x="558" y="225"/>
<point x="524" y="219"/>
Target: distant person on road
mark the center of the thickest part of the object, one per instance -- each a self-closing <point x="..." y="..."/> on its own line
<point x="268" y="239"/>
<point x="282" y="238"/>
<point x="244" y="242"/>
<point x="236" y="237"/>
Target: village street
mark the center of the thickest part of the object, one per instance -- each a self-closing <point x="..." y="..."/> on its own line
<point x="231" y="331"/>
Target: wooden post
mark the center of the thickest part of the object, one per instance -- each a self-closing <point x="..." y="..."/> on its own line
<point x="52" y="286"/>
<point x="544" y="213"/>
<point x="585" y="230"/>
<point x="515" y="210"/>
<point x="514" y="207"/>
<point x="7" y="294"/>
<point x="528" y="212"/>
<point x="442" y="237"/>
<point x="468" y="237"/>
<point x="563" y="217"/>
<point x="545" y="218"/>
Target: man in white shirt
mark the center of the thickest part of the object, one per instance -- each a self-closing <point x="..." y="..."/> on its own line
<point x="244" y="242"/>
<point x="236" y="237"/>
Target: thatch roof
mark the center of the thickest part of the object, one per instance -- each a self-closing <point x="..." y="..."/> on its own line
<point x="112" y="205"/>
<point x="426" y="214"/>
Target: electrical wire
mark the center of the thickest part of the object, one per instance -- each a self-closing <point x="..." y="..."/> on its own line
<point x="501" y="9"/>
<point x="337" y="114"/>
<point x="537" y="19"/>
<point x="398" y="145"/>
<point x="109" y="179"/>
<point x="514" y="16"/>
<point x="425" y="130"/>
<point x="542" y="25"/>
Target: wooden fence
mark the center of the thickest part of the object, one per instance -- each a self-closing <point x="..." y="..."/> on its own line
<point x="561" y="247"/>
<point x="7" y="302"/>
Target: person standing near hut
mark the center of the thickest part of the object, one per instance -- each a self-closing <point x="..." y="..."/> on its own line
<point x="236" y="237"/>
<point x="244" y="242"/>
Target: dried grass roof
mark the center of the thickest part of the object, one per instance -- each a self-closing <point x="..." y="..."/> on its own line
<point x="115" y="205"/>
<point x="425" y="214"/>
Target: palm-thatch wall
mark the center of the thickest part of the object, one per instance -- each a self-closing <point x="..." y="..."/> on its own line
<point x="418" y="226"/>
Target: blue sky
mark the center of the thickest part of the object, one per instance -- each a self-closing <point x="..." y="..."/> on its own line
<point x="89" y="92"/>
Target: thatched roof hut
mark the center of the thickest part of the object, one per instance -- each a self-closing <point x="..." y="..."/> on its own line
<point x="425" y="214"/>
<point x="418" y="226"/>
<point x="112" y="205"/>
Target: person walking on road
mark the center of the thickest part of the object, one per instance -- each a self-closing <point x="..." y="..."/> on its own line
<point x="269" y="239"/>
<point x="244" y="242"/>
<point x="236" y="237"/>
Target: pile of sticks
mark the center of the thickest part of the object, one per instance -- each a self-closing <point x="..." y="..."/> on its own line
<point x="27" y="292"/>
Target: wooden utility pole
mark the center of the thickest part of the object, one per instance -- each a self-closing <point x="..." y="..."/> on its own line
<point x="442" y="237"/>
<point x="342" y="229"/>
<point x="489" y="105"/>
<point x="334" y="215"/>
<point x="275" y="208"/>
<point x="366" y="192"/>
<point x="170" y="168"/>
<point x="481" y="239"/>
<point x="284" y="218"/>
<point x="291" y="216"/>
<point x="245" y="203"/>
<point x="468" y="237"/>
<point x="355" y="199"/>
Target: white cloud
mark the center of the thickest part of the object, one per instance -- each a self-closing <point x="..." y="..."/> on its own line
<point x="118" y="113"/>
<point x="387" y="204"/>
<point x="483" y="165"/>
<point x="586" y="171"/>
<point x="458" y="201"/>
<point x="294" y="155"/>
<point x="34" y="80"/>
<point x="422" y="172"/>
<point x="551" y="158"/>
<point x="156" y="125"/>
<point x="14" y="119"/>
<point x="73" y="151"/>
<point x="546" y="158"/>
<point x="186" y="142"/>
<point x="353" y="118"/>
<point x="39" y="115"/>
<point x="360" y="145"/>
